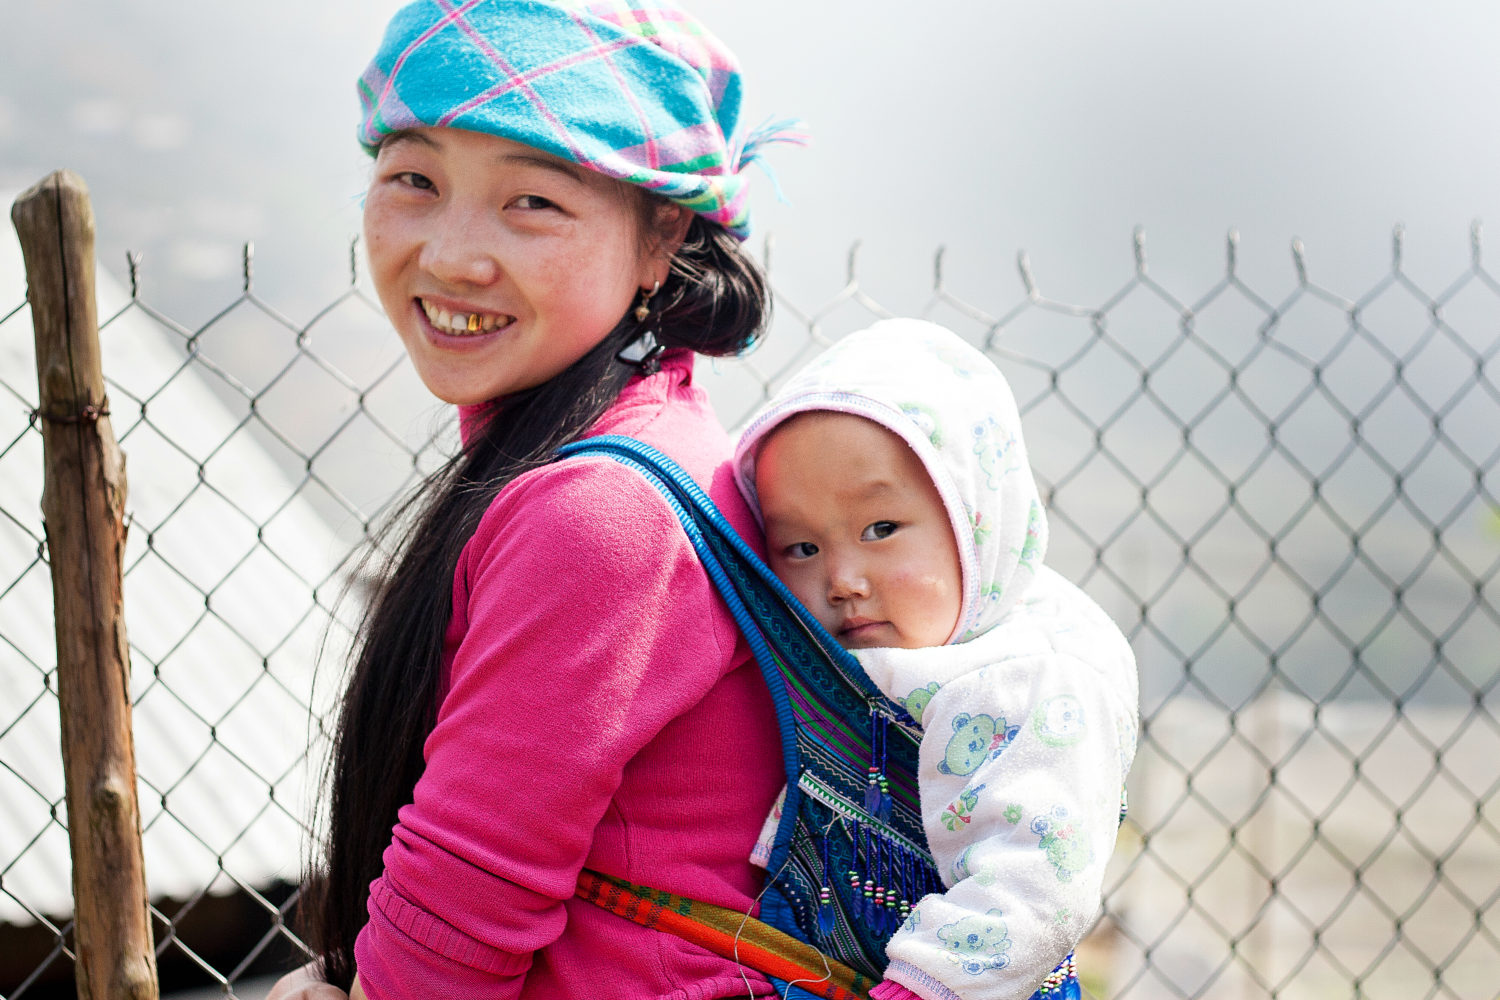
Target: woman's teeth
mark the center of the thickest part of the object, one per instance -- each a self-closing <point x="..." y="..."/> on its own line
<point x="459" y="323"/>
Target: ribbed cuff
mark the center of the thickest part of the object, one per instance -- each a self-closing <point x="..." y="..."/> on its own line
<point x="887" y="990"/>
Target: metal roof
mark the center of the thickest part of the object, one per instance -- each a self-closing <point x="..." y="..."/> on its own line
<point x="223" y="558"/>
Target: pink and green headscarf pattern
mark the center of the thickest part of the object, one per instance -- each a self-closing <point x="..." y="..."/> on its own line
<point x="637" y="90"/>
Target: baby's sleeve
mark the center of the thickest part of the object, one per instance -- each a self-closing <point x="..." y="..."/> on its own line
<point x="1022" y="767"/>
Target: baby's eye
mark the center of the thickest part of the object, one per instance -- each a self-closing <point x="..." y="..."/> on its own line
<point x="801" y="550"/>
<point x="878" y="530"/>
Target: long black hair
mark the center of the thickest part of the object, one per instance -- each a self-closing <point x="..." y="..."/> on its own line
<point x="714" y="301"/>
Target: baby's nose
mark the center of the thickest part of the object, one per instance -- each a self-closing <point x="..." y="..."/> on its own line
<point x="845" y="581"/>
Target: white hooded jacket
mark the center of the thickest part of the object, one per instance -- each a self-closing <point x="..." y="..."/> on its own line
<point x="1030" y="711"/>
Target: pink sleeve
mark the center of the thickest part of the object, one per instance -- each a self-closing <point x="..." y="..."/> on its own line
<point x="589" y="627"/>
<point x="888" y="990"/>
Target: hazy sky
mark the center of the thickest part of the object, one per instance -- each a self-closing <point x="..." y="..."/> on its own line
<point x="981" y="125"/>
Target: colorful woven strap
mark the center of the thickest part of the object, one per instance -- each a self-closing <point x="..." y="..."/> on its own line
<point x="849" y="855"/>
<point x="733" y="935"/>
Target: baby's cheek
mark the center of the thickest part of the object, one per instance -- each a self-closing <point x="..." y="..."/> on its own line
<point x="799" y="582"/>
<point x="933" y="603"/>
<point x="930" y="588"/>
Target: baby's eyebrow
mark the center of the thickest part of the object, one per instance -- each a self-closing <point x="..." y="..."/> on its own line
<point x="878" y="487"/>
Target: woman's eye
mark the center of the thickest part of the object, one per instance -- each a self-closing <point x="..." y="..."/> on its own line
<point x="415" y="180"/>
<point x="532" y="202"/>
<point x="878" y="530"/>
<point x="802" y="550"/>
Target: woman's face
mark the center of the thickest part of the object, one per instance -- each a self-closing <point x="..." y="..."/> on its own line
<point x="500" y="265"/>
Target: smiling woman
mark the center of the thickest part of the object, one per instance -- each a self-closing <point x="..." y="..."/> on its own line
<point x="501" y="266"/>
<point x="553" y="226"/>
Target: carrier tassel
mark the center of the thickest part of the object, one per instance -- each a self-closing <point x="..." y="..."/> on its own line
<point x="882" y="876"/>
<point x="878" y="788"/>
<point x="825" y="896"/>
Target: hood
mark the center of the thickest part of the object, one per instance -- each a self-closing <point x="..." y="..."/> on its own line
<point x="951" y="405"/>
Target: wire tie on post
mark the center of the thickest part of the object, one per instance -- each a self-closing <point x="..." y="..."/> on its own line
<point x="88" y="415"/>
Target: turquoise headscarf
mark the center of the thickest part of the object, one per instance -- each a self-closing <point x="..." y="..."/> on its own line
<point x="637" y="90"/>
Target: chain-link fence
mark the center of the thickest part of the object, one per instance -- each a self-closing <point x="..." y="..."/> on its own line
<point x="1287" y="499"/>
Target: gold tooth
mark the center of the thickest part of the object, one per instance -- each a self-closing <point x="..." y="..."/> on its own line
<point x="473" y="322"/>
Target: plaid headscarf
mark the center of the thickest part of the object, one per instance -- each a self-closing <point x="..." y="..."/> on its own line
<point x="635" y="89"/>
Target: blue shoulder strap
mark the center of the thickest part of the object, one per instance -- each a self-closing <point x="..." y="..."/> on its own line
<point x="850" y="855"/>
<point x="850" y="852"/>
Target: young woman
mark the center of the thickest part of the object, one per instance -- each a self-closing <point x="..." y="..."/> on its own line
<point x="546" y="680"/>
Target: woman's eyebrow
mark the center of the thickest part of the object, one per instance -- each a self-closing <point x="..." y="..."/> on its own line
<point x="569" y="170"/>
<point x="409" y="135"/>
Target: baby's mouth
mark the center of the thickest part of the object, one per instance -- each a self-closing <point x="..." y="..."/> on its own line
<point x="850" y="625"/>
<point x="460" y="324"/>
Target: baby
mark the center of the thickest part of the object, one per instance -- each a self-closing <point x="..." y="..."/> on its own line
<point x="899" y="507"/>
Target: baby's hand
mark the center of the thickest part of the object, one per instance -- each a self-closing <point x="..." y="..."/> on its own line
<point x="305" y="983"/>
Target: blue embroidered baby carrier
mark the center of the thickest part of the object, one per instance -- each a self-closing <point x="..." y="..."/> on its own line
<point x="850" y="856"/>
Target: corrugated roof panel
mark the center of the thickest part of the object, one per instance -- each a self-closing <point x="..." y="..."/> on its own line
<point x="223" y="559"/>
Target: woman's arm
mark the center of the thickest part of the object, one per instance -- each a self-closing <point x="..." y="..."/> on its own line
<point x="586" y="625"/>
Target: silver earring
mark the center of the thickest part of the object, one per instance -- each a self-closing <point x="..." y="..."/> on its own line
<point x="644" y="308"/>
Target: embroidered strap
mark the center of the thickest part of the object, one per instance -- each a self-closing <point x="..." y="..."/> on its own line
<point x="728" y="933"/>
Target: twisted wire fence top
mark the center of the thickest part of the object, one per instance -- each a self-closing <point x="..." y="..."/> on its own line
<point x="1286" y="498"/>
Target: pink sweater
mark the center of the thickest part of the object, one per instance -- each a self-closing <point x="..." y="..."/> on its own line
<point x="599" y="709"/>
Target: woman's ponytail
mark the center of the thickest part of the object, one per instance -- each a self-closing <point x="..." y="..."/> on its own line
<point x="715" y="302"/>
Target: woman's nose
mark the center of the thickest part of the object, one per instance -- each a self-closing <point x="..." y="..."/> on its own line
<point x="461" y="249"/>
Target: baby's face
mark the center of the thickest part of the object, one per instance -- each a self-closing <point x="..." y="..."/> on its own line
<point x="856" y="529"/>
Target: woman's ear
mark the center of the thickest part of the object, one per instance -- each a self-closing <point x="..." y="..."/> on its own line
<point x="670" y="226"/>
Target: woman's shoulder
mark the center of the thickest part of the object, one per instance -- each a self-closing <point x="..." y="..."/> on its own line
<point x="595" y="502"/>
<point x="588" y="500"/>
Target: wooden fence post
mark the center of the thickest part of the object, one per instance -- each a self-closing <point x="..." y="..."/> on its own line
<point x="83" y="505"/>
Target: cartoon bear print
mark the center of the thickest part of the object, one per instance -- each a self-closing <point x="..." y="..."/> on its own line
<point x="1058" y="721"/>
<point x="987" y="874"/>
<point x="976" y="739"/>
<point x="1032" y="546"/>
<point x="977" y="943"/>
<point x="990" y="596"/>
<point x="913" y="920"/>
<point x="992" y="450"/>
<point x="1066" y="847"/>
<point x="916" y="702"/>
<point x="926" y="419"/>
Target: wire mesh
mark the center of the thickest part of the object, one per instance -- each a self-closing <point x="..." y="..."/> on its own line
<point x="1288" y="501"/>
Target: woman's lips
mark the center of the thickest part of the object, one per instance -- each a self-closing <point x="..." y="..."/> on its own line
<point x="457" y="323"/>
